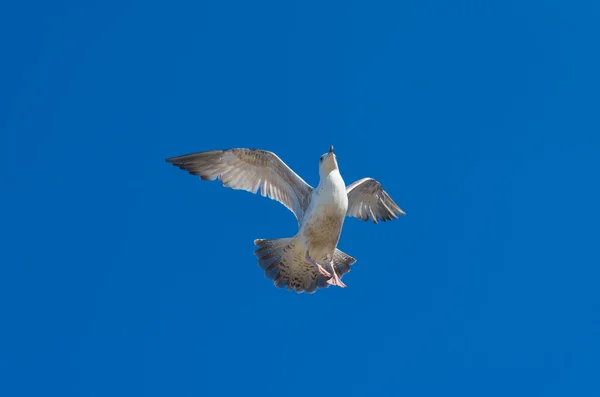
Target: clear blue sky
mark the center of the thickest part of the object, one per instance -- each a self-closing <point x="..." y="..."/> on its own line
<point x="122" y="275"/>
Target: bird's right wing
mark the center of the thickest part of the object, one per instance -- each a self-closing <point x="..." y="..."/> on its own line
<point x="250" y="169"/>
<point x="367" y="200"/>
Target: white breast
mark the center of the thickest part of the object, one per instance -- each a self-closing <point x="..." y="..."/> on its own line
<point x="329" y="196"/>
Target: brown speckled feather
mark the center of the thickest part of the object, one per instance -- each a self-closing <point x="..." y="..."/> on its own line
<point x="283" y="262"/>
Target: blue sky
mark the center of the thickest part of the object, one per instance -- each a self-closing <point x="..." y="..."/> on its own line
<point x="122" y="275"/>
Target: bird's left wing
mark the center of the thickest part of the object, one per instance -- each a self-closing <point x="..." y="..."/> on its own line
<point x="250" y="169"/>
<point x="367" y="200"/>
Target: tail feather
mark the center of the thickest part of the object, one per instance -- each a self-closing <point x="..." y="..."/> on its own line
<point x="270" y="250"/>
<point x="341" y="262"/>
<point x="283" y="261"/>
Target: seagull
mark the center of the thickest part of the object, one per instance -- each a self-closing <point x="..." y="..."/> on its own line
<point x="311" y="259"/>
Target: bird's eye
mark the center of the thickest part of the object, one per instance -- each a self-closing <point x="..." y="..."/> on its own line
<point x="321" y="159"/>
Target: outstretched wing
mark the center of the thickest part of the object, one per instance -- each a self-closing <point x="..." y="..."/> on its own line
<point x="367" y="200"/>
<point x="250" y="169"/>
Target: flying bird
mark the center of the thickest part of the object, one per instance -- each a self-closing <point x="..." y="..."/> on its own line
<point x="309" y="260"/>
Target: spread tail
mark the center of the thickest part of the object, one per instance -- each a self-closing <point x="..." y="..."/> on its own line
<point x="283" y="261"/>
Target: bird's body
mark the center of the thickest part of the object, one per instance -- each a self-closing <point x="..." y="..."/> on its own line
<point x="322" y="224"/>
<point x="310" y="259"/>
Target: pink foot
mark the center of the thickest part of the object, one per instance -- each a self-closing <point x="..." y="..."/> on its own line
<point x="335" y="280"/>
<point x="319" y="268"/>
<point x="322" y="271"/>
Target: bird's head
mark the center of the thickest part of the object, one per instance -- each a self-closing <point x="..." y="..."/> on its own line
<point x="328" y="162"/>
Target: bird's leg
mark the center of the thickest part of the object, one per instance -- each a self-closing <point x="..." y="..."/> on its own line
<point x="319" y="268"/>
<point x="335" y="279"/>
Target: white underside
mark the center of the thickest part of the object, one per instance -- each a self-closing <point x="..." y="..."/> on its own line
<point x="322" y="223"/>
